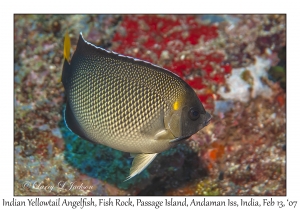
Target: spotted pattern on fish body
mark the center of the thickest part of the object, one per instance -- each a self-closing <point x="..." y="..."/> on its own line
<point x="128" y="104"/>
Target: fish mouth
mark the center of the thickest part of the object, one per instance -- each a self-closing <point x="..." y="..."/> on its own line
<point x="200" y="127"/>
<point x="207" y="121"/>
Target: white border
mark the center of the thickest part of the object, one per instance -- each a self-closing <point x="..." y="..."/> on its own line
<point x="8" y="8"/>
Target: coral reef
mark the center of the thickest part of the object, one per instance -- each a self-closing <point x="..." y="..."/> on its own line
<point x="176" y="43"/>
<point x="236" y="65"/>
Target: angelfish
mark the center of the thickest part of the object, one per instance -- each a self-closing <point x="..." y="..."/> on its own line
<point x="127" y="104"/>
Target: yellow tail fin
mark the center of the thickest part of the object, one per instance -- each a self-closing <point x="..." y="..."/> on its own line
<point x="67" y="47"/>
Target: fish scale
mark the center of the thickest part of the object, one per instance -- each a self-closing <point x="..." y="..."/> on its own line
<point x="128" y="104"/>
<point x="113" y="117"/>
<point x="154" y="80"/>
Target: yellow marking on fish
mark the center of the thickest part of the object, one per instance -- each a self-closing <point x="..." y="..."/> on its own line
<point x="67" y="47"/>
<point x="176" y="105"/>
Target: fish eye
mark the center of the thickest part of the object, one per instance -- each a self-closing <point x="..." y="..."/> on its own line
<point x="194" y="113"/>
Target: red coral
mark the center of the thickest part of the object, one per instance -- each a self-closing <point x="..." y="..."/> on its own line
<point x="227" y="68"/>
<point x="146" y="36"/>
<point x="196" y="83"/>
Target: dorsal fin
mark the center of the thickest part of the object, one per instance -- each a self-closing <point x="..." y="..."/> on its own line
<point x="86" y="47"/>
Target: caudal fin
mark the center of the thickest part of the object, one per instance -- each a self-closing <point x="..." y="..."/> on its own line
<point x="67" y="59"/>
<point x="67" y="47"/>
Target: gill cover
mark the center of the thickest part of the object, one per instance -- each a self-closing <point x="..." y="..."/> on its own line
<point x="187" y="117"/>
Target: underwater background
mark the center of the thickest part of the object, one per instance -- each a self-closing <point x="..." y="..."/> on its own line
<point x="235" y="63"/>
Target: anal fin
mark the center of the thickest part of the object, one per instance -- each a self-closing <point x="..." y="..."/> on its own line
<point x="140" y="162"/>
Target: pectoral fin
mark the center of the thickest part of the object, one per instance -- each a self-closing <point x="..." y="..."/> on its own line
<point x="140" y="162"/>
<point x="163" y="135"/>
<point x="174" y="123"/>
